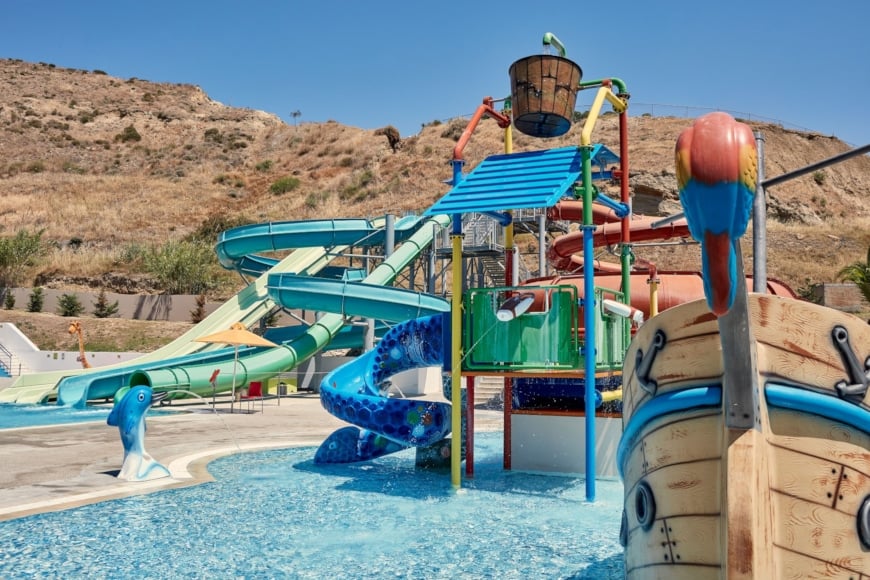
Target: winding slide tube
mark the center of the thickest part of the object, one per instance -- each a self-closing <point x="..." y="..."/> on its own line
<point x="288" y="355"/>
<point x="354" y="393"/>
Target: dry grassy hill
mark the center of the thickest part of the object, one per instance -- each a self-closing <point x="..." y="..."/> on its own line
<point x="98" y="162"/>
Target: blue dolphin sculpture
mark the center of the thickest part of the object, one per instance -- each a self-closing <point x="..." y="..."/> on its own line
<point x="128" y="415"/>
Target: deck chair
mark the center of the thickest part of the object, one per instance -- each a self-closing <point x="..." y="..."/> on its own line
<point x="255" y="393"/>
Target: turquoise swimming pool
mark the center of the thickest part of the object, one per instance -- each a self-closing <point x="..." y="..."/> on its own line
<point x="13" y="416"/>
<point x="276" y="514"/>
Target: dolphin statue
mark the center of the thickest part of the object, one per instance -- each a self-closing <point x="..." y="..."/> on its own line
<point x="128" y="415"/>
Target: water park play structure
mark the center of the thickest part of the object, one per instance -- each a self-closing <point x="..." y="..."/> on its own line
<point x="711" y="411"/>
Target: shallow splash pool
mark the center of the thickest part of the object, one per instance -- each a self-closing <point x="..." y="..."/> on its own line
<point x="277" y="514"/>
<point x="14" y="416"/>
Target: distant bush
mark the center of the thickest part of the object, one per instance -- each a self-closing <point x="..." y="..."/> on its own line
<point x="213" y="135"/>
<point x="314" y="199"/>
<point x="35" y="300"/>
<point x="128" y="134"/>
<point x="182" y="267"/>
<point x="454" y="129"/>
<point x="69" y="305"/>
<point x="209" y="230"/>
<point x="9" y="299"/>
<point x="284" y="185"/>
<point x="819" y="177"/>
<point x="87" y="116"/>
<point x="17" y="254"/>
<point x="264" y="165"/>
<point x="359" y="188"/>
<point x="36" y="167"/>
<point x="131" y="255"/>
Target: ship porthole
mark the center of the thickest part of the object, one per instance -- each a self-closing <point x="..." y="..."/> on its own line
<point x="644" y="506"/>
<point x="864" y="524"/>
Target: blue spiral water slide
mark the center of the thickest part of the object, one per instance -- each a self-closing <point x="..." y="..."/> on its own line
<point x="186" y="364"/>
<point x="354" y="393"/>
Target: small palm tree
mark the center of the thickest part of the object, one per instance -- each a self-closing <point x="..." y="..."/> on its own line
<point x="859" y="273"/>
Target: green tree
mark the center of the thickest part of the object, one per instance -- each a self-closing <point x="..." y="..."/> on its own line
<point x="9" y="299"/>
<point x="102" y="308"/>
<point x="859" y="273"/>
<point x="69" y="305"/>
<point x="17" y="253"/>
<point x="35" y="300"/>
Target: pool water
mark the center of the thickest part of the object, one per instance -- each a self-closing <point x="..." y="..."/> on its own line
<point x="276" y="514"/>
<point x="13" y="416"/>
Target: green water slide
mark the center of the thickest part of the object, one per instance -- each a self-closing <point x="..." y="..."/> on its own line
<point x="248" y="306"/>
<point x="315" y="244"/>
<point x="258" y="364"/>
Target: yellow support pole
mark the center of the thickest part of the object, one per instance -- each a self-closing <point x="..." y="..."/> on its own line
<point x="456" y="366"/>
<point x="604" y="93"/>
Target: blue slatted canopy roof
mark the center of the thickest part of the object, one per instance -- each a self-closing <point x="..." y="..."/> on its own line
<point x="519" y="180"/>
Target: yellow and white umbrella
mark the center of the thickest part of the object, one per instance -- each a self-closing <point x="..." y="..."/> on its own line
<point x="237" y="335"/>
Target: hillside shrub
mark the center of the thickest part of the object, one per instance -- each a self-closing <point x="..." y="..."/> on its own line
<point x="182" y="267"/>
<point x="35" y="300"/>
<point x="9" y="299"/>
<point x="17" y="254"/>
<point x="69" y="305"/>
<point x="209" y="230"/>
<point x="128" y="134"/>
<point x="213" y="135"/>
<point x="264" y="165"/>
<point x="284" y="185"/>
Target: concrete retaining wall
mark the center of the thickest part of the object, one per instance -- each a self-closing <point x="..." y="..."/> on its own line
<point x="175" y="308"/>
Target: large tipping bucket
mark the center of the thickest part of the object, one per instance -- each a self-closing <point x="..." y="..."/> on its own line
<point x="543" y="92"/>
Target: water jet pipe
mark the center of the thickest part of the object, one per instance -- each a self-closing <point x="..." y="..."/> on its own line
<point x="551" y="40"/>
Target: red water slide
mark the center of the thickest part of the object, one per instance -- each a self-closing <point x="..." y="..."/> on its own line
<point x="676" y="287"/>
<point x="563" y="254"/>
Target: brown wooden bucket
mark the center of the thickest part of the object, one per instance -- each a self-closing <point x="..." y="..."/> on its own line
<point x="543" y="92"/>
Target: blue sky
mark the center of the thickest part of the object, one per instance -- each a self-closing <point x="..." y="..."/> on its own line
<point x="405" y="63"/>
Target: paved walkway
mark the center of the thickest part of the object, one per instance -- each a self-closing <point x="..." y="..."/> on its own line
<point x="52" y="468"/>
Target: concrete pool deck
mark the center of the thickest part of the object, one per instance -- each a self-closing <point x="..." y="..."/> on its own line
<point x="53" y="468"/>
